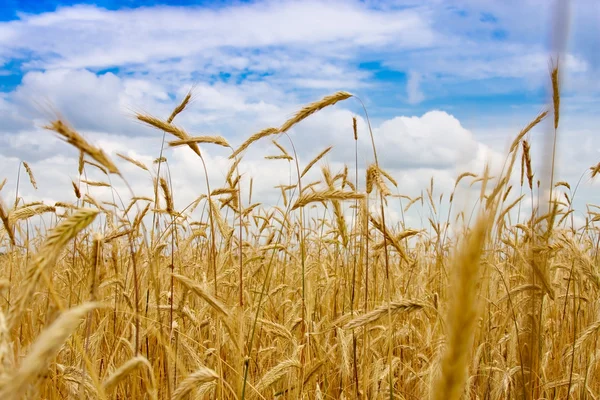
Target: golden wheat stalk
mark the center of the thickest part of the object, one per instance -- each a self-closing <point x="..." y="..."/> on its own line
<point x="590" y="331"/>
<point x="28" y="212"/>
<point x="331" y="194"/>
<point x="527" y="157"/>
<point x="374" y="179"/>
<point x="461" y="318"/>
<point x="312" y="108"/>
<point x="218" y="140"/>
<point x="4" y="216"/>
<point x="44" y="349"/>
<point x="55" y="241"/>
<point x="202" y="293"/>
<point x="281" y="148"/>
<point x="180" y="107"/>
<point x="315" y="160"/>
<point x="413" y="201"/>
<point x="96" y="165"/>
<point x="192" y="381"/>
<point x="595" y="171"/>
<point x="127" y="368"/>
<point x="279" y="157"/>
<point x="95" y="183"/>
<point x="391" y="240"/>
<point x="6" y="355"/>
<point x="404" y="306"/>
<point x="133" y="161"/>
<point x="168" y="127"/>
<point x="76" y="190"/>
<point x="30" y="174"/>
<point x="388" y="177"/>
<point x="167" y="193"/>
<point x="462" y="176"/>
<point x="555" y="93"/>
<point x="562" y="183"/>
<point x="75" y="139"/>
<point x="257" y="136"/>
<point x="275" y="373"/>
<point x="116" y="235"/>
<point x="526" y="130"/>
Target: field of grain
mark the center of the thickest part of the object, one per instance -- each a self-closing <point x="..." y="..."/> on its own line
<point x="321" y="298"/>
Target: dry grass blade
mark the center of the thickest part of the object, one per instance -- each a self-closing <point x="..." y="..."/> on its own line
<point x="404" y="306"/>
<point x="200" y="376"/>
<point x="46" y="346"/>
<point x="331" y="194"/>
<point x="2" y="184"/>
<point x="74" y="139"/>
<point x="218" y="140"/>
<point x="202" y="293"/>
<point x="311" y="108"/>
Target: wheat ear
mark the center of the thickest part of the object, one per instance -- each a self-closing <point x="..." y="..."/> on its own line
<point x="41" y="352"/>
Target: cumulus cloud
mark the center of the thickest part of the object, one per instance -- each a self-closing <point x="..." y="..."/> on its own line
<point x="96" y="67"/>
<point x="434" y="140"/>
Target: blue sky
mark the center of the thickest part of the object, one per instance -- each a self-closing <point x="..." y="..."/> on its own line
<point x="466" y="26"/>
<point x="478" y="67"/>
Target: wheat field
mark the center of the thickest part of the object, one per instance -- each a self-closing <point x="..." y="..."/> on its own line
<point x="319" y="298"/>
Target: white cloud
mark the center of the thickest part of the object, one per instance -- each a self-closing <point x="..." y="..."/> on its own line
<point x="436" y="140"/>
<point x="413" y="88"/>
<point x="83" y="37"/>
<point x="253" y="65"/>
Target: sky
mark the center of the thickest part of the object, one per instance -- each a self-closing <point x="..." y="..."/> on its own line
<point x="447" y="84"/>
